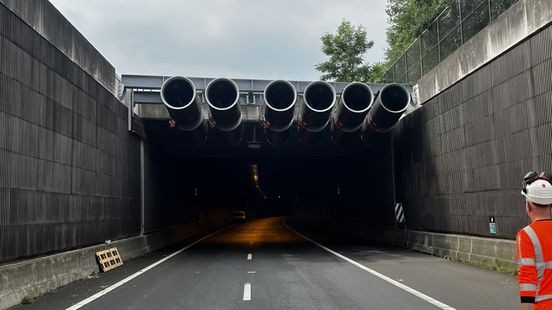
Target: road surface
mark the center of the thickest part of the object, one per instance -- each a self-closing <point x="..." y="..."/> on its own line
<point x="264" y="264"/>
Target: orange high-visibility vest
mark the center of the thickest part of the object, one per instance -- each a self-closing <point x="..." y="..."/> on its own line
<point x="534" y="258"/>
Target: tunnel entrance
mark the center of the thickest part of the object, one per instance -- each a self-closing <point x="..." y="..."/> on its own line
<point x="321" y="182"/>
<point x="266" y="147"/>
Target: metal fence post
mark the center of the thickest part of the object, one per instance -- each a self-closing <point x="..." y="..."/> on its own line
<point x="461" y="22"/>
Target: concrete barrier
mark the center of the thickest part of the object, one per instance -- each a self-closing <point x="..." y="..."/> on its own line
<point x="490" y="252"/>
<point x="38" y="276"/>
<point x="498" y="254"/>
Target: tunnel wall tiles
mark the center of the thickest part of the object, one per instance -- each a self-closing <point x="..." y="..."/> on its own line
<point x="461" y="156"/>
<point x="69" y="170"/>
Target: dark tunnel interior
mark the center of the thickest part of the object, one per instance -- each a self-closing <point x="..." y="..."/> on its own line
<point x="329" y="186"/>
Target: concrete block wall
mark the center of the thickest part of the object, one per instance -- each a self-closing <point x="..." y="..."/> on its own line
<point x="459" y="159"/>
<point x="69" y="169"/>
<point x="490" y="252"/>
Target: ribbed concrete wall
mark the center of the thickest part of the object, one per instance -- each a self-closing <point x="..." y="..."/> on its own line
<point x="69" y="170"/>
<point x="45" y="19"/>
<point x="460" y="158"/>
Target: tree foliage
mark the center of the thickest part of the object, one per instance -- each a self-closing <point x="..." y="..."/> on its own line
<point x="346" y="49"/>
<point x="407" y="20"/>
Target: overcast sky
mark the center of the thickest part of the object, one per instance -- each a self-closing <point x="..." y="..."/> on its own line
<point x="257" y="39"/>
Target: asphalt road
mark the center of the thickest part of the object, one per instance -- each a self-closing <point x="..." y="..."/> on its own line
<point x="264" y="265"/>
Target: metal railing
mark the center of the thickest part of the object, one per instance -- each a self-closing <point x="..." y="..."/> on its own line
<point x="460" y="21"/>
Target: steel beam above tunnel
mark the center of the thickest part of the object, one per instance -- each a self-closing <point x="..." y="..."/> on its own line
<point x="153" y="82"/>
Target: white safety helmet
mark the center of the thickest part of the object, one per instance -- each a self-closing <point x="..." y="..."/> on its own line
<point x="538" y="189"/>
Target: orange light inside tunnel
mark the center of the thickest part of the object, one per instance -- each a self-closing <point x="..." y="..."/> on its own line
<point x="258" y="232"/>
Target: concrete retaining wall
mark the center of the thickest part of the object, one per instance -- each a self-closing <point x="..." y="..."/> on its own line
<point x="459" y="159"/>
<point x="41" y="275"/>
<point x="489" y="252"/>
<point x="47" y="21"/>
<point x="69" y="169"/>
<point x="520" y="21"/>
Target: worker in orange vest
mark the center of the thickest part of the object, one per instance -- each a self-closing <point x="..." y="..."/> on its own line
<point x="534" y="244"/>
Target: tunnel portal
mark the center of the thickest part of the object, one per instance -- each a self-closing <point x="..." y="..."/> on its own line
<point x="304" y="155"/>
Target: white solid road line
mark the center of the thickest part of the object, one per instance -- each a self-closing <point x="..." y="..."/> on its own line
<point x="412" y="291"/>
<point x="249" y="256"/>
<point x="137" y="274"/>
<point x="247" y="291"/>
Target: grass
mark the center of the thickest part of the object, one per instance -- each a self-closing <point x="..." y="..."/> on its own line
<point x="495" y="266"/>
<point x="27" y="300"/>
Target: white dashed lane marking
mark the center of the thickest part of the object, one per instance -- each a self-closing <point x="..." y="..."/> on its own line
<point x="247" y="291"/>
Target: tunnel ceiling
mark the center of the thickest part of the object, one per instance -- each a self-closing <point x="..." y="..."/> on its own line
<point x="288" y="172"/>
<point x="253" y="144"/>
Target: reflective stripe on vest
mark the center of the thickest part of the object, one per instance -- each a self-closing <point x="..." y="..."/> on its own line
<point x="539" y="262"/>
<point x="527" y="287"/>
<point x="526" y="262"/>
<point x="542" y="298"/>
<point x="539" y="257"/>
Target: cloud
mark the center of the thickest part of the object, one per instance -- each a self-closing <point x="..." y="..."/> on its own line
<point x="264" y="39"/>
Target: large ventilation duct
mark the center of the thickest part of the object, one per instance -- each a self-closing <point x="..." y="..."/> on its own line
<point x="356" y="100"/>
<point x="319" y="99"/>
<point x="391" y="102"/>
<point x="179" y="96"/>
<point x="280" y="98"/>
<point x="223" y="97"/>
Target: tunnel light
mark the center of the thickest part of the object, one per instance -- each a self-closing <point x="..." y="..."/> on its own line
<point x="254" y="146"/>
<point x="254" y="171"/>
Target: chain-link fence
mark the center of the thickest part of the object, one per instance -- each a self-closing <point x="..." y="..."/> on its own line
<point x="454" y="26"/>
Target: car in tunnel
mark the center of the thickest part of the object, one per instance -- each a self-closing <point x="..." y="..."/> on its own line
<point x="238" y="217"/>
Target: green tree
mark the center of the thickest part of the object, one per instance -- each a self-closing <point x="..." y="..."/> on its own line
<point x="377" y="71"/>
<point x="407" y="20"/>
<point x="346" y="49"/>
